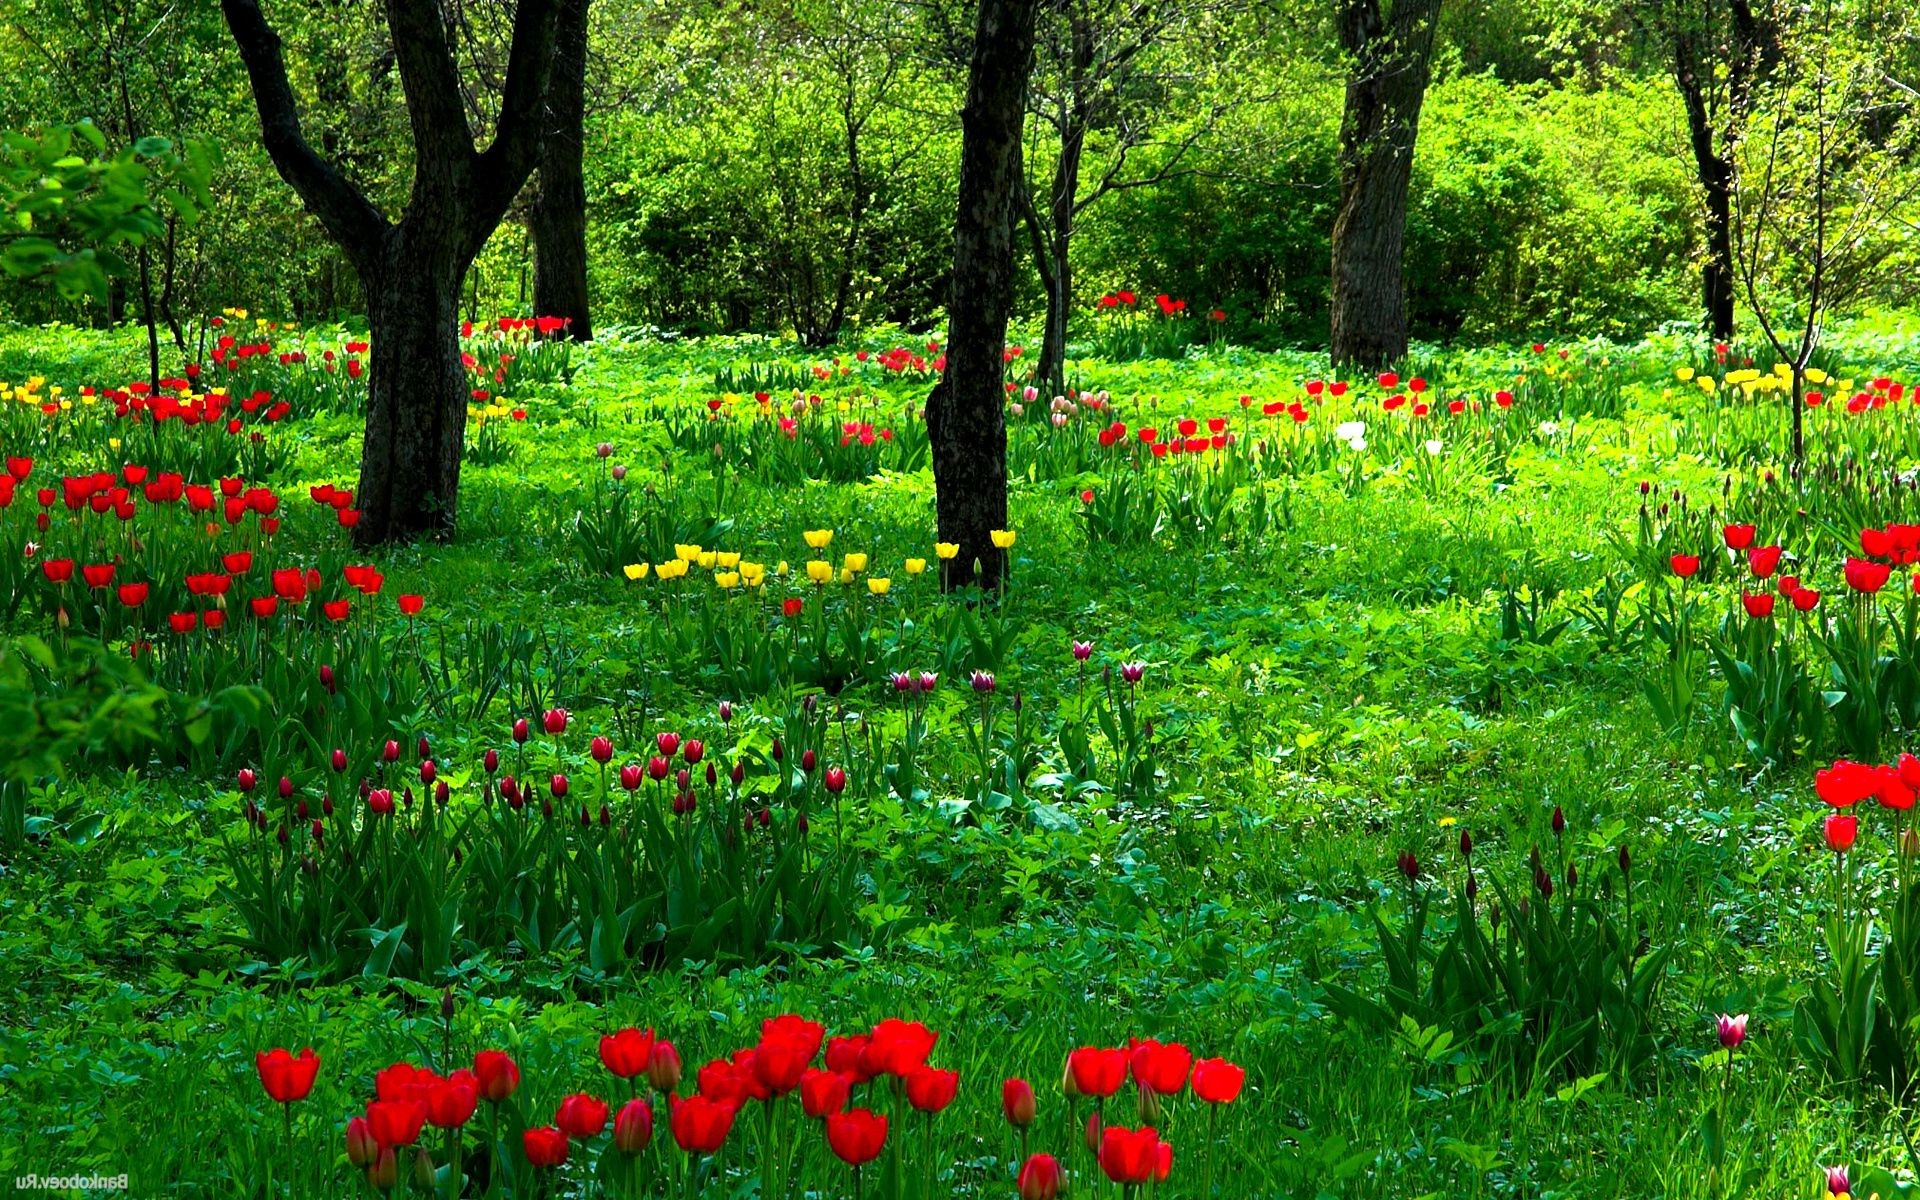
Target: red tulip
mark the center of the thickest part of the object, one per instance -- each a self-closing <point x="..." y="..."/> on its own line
<point x="1845" y="783"/>
<point x="411" y="605"/>
<point x="1865" y="576"/>
<point x="498" y="1074"/>
<point x="835" y="780"/>
<point x="57" y="570"/>
<point x="627" y="1052"/>
<point x="581" y="1115"/>
<point x="1161" y="1069"/>
<point x="1763" y="561"/>
<point x="1738" y="537"/>
<point x="362" y="1149"/>
<point x="824" y="1092"/>
<point x="699" y="1125"/>
<point x="663" y="1069"/>
<point x="693" y="750"/>
<point x="1040" y="1178"/>
<point x="633" y="1127"/>
<point x="1017" y="1102"/>
<point x="285" y="1077"/>
<point x="847" y="1055"/>
<point x="1757" y="606"/>
<point x="396" y="1122"/>
<point x="1684" y="565"/>
<point x="450" y="1105"/>
<point x="1804" y="599"/>
<point x="601" y="750"/>
<point x="1094" y="1071"/>
<point x="930" y="1089"/>
<point x="1840" y="831"/>
<point x="1218" y="1081"/>
<point x="545" y="1146"/>
<point x="857" y="1135"/>
<point x="896" y="1047"/>
<point x="1129" y="1156"/>
<point x="554" y="721"/>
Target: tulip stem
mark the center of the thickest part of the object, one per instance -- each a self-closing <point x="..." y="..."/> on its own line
<point x="287" y="1111"/>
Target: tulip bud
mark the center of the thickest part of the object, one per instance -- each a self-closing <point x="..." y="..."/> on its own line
<point x="1559" y="821"/>
<point x="601" y="749"/>
<point x="385" y="1171"/>
<point x="1068" y="1085"/>
<point x="247" y="779"/>
<point x="1626" y="861"/>
<point x="300" y="810"/>
<point x="391" y="751"/>
<point x="726" y="710"/>
<point x="663" y="1068"/>
<point x="1148" y="1105"/>
<point x="428" y="770"/>
<point x="836" y="780"/>
<point x="558" y="786"/>
<point x="807" y="760"/>
<point x="682" y="780"/>
<point x="1573" y="877"/>
<point x="446" y="1005"/>
<point x="1040" y="1178"/>
<point x="739" y="773"/>
<point x="326" y="806"/>
<point x="362" y="1149"/>
<point x="339" y="760"/>
<point x="520" y="730"/>
<point x="1093" y="1131"/>
<point x="779" y="752"/>
<point x="326" y="679"/>
<point x="286" y="788"/>
<point x="421" y="750"/>
<point x="633" y="1127"/>
<point x="490" y="760"/>
<point x="441" y="792"/>
<point x="423" y="1170"/>
<point x="1017" y="1102"/>
<point x="712" y="778"/>
<point x="1466" y="844"/>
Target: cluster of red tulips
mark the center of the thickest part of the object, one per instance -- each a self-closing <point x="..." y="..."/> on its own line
<point x="859" y="1090"/>
<point x="1845" y="784"/>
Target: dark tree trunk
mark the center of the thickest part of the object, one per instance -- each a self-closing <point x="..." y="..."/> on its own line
<point x="1057" y="270"/>
<point x="559" y="218"/>
<point x="1702" y="49"/>
<point x="417" y="393"/>
<point x="966" y="414"/>
<point x="1392" y="58"/>
<point x="411" y="271"/>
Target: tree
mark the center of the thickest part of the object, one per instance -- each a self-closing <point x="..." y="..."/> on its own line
<point x="411" y="270"/>
<point x="1390" y="56"/>
<point x="1718" y="49"/>
<point x="1106" y="69"/>
<point x="966" y="414"/>
<point x="1823" y="192"/>
<point x="558" y="220"/>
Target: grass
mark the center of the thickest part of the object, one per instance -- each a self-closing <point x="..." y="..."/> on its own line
<point x="1325" y="697"/>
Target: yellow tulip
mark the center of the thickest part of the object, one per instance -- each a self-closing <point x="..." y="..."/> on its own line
<point x="1002" y="538"/>
<point x="780" y="568"/>
<point x="728" y="559"/>
<point x="636" y="571"/>
<point x="846" y="576"/>
<point x="879" y="584"/>
<point x="727" y="579"/>
<point x="818" y="539"/>
<point x="947" y="550"/>
<point x="916" y="565"/>
<point x="707" y="560"/>
<point x="856" y="563"/>
<point x="1683" y="374"/>
<point x="686" y="553"/>
<point x="819" y="571"/>
<point x="1816" y="375"/>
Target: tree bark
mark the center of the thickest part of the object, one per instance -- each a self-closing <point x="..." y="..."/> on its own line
<point x="410" y="271"/>
<point x="1392" y="59"/>
<point x="966" y="414"/>
<point x="559" y="218"/>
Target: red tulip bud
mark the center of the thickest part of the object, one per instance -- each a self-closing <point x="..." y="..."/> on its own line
<point x="601" y="749"/>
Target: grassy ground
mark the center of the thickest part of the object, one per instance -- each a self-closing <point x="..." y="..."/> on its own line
<point x="1326" y="695"/>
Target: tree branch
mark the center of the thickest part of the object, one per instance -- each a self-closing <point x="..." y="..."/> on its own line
<point x="349" y="218"/>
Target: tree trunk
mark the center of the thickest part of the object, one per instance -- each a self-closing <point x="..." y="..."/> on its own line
<point x="1392" y="58"/>
<point x="559" y="218"/>
<point x="417" y="395"/>
<point x="1058" y="274"/>
<point x="966" y="414"/>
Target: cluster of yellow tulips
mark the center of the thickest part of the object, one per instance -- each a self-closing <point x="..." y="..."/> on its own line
<point x="1750" y="381"/>
<point x="730" y="571"/>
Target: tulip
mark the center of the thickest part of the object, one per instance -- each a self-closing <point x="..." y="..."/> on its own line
<point x="1129" y="1156"/>
<point x="1840" y="831"/>
<point x="1839" y="1183"/>
<point x="633" y="1127"/>
<point x="835" y="780"/>
<point x="1097" y="1072"/>
<point x="699" y="1125"/>
<point x="663" y="1067"/>
<point x="285" y="1077"/>
<point x="1017" y="1102"/>
<point x="1082" y="651"/>
<point x="982" y="681"/>
<point x="1732" y="1030"/>
<point x="1161" y="1069"/>
<point x="824" y="1092"/>
<point x="520" y="730"/>
<point x="545" y="1147"/>
<point x="450" y="1105"/>
<point x="362" y="1149"/>
<point x="856" y="1136"/>
<point x="384" y="1172"/>
<point x="396" y="1123"/>
<point x="1684" y="565"/>
<point x="630" y="776"/>
<point x="627" y="1052"/>
<point x="930" y="1089"/>
<point x="581" y="1115"/>
<point x="1040" y="1178"/>
<point x="667" y="743"/>
<point x="1217" y="1081"/>
<point x="247" y="779"/>
<point x="601" y="749"/>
